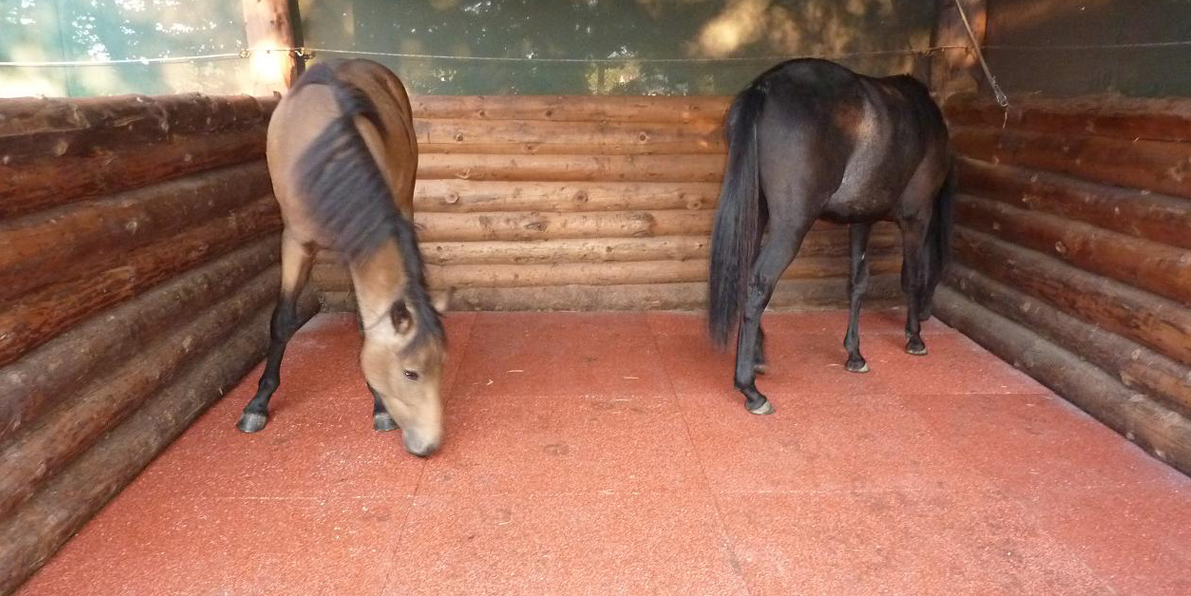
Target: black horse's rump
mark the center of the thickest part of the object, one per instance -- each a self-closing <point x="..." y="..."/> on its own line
<point x="349" y="197"/>
<point x="810" y="139"/>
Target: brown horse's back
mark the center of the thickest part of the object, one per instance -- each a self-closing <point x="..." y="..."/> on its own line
<point x="307" y="111"/>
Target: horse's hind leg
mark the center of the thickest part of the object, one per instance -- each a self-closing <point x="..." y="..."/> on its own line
<point x="779" y="249"/>
<point x="760" y="363"/>
<point x="857" y="284"/>
<point x="913" y="282"/>
<point x="296" y="260"/>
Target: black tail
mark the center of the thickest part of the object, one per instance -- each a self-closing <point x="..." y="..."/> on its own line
<point x="737" y="218"/>
<point x="938" y="240"/>
<point x="350" y="199"/>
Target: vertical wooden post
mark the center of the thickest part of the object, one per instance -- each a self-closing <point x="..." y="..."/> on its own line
<point x="273" y="24"/>
<point x="954" y="71"/>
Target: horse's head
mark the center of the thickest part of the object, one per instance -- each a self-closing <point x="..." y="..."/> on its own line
<point x="404" y="365"/>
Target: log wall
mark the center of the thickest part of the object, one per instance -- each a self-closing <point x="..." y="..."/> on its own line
<point x="587" y="203"/>
<point x="1073" y="254"/>
<point x="138" y="268"/>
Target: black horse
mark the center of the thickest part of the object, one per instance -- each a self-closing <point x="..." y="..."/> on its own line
<point x="811" y="139"/>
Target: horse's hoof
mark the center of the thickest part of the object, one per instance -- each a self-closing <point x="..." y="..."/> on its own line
<point x="252" y="422"/>
<point x="764" y="409"/>
<point x="916" y="348"/>
<point x="859" y="366"/>
<point x="383" y="422"/>
<point x="761" y="368"/>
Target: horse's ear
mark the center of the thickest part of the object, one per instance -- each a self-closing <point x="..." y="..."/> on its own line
<point x="442" y="300"/>
<point x="402" y="321"/>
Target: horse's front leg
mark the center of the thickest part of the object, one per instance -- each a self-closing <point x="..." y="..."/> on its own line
<point x="296" y="261"/>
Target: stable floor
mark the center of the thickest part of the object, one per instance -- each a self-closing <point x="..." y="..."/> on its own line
<point x="608" y="454"/>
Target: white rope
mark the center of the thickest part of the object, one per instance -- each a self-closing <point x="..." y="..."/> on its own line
<point x="144" y="61"/>
<point x="619" y="60"/>
<point x="308" y="51"/>
<point x="1002" y="99"/>
<point x="1110" y="46"/>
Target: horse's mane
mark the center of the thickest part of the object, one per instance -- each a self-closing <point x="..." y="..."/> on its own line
<point x="349" y="197"/>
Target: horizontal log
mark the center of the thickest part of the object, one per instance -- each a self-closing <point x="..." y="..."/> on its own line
<point x="1138" y="213"/>
<point x="38" y="317"/>
<point x="572" y="108"/>
<point x="58" y="510"/>
<point x="582" y="138"/>
<point x="44" y="184"/>
<point x="467" y="196"/>
<point x="1148" y="319"/>
<point x="572" y="168"/>
<point x="883" y="291"/>
<point x="43" y="378"/>
<point x="1151" y="165"/>
<point x="46" y="448"/>
<point x="96" y="235"/>
<point x="818" y="243"/>
<point x="1166" y="119"/>
<point x="1132" y="364"/>
<point x="34" y="129"/>
<point x="442" y="227"/>
<point x="1150" y="266"/>
<point x="335" y="278"/>
<point x="1139" y="418"/>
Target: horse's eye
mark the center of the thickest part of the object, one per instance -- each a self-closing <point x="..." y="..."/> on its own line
<point x="411" y="375"/>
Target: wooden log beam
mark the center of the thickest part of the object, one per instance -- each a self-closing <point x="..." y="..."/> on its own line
<point x="581" y="138"/>
<point x="469" y="196"/>
<point x="96" y="235"/>
<point x="790" y="295"/>
<point x="1148" y="319"/>
<point x="270" y="24"/>
<point x="1138" y="213"/>
<point x="43" y="185"/>
<point x="34" y="128"/>
<point x="1165" y="119"/>
<point x="31" y="535"/>
<point x="1150" y="266"/>
<point x="46" y="448"/>
<point x="1150" y="165"/>
<point x="38" y="317"/>
<point x="572" y="168"/>
<point x="42" y="378"/>
<point x="460" y="227"/>
<point x="572" y="108"/>
<point x="120" y="143"/>
<point x="1157" y="429"/>
<point x="818" y="243"/>
<point x="1132" y="364"/>
<point x="336" y="278"/>
<point x="443" y="227"/>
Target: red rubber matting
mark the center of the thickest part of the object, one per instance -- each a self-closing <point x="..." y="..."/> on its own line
<point x="609" y="454"/>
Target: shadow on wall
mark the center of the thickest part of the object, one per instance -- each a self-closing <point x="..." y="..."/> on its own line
<point x="1055" y="47"/>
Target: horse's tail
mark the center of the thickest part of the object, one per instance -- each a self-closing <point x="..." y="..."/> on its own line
<point x="737" y="218"/>
<point x="938" y="239"/>
<point x="350" y="199"/>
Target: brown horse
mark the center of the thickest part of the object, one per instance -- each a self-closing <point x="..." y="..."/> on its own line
<point x="810" y="139"/>
<point x="343" y="155"/>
